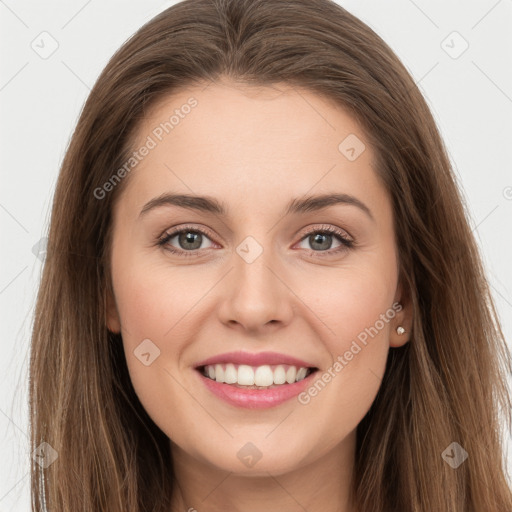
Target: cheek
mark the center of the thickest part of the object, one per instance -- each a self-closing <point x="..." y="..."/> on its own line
<point x="357" y="310"/>
<point x="152" y="306"/>
<point x="353" y="304"/>
<point x="156" y="303"/>
<point x="153" y="299"/>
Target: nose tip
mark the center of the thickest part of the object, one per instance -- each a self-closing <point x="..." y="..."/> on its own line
<point x="255" y="296"/>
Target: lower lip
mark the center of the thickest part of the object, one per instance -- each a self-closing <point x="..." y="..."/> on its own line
<point x="256" y="398"/>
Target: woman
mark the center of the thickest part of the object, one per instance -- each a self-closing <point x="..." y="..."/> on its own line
<point x="328" y="341"/>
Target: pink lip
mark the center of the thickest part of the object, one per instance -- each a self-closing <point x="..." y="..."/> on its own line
<point x="256" y="398"/>
<point x="258" y="359"/>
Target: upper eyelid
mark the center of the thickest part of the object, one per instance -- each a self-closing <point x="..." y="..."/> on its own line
<point x="172" y="232"/>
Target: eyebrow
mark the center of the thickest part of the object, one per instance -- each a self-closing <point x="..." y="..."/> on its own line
<point x="295" y="206"/>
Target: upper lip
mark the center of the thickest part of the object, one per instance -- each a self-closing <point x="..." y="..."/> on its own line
<point x="255" y="359"/>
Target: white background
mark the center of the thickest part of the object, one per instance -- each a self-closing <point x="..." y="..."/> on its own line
<point x="40" y="100"/>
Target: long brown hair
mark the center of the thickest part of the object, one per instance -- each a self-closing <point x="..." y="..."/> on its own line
<point x="448" y="384"/>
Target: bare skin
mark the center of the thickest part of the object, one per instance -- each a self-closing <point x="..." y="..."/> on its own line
<point x="254" y="150"/>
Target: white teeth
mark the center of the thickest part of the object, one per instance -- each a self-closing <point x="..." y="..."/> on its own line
<point x="260" y="376"/>
<point x="245" y="375"/>
<point x="263" y="376"/>
<point x="291" y="374"/>
<point x="219" y="373"/>
<point x="230" y="375"/>
<point x="279" y="375"/>
<point x="301" y="374"/>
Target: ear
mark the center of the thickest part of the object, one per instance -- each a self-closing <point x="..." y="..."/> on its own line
<point x="111" y="313"/>
<point x="403" y="318"/>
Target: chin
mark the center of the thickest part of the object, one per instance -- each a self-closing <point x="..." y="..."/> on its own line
<point x="249" y="460"/>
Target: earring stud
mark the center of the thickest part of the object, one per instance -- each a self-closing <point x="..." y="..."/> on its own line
<point x="400" y="330"/>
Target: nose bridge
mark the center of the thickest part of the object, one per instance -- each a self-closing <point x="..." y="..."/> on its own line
<point x="252" y="262"/>
<point x="255" y="294"/>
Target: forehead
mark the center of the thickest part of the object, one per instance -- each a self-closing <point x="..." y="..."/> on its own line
<point x="288" y="120"/>
<point x="227" y="139"/>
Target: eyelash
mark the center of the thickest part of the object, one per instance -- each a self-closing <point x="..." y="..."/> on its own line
<point x="345" y="242"/>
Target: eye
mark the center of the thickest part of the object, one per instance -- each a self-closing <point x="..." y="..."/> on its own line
<point x="321" y="240"/>
<point x="189" y="240"/>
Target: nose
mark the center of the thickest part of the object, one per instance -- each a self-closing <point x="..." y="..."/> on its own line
<point x="255" y="294"/>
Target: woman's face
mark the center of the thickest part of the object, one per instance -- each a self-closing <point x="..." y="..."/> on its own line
<point x="294" y="281"/>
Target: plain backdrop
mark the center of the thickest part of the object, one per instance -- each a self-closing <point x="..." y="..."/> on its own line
<point x="459" y="52"/>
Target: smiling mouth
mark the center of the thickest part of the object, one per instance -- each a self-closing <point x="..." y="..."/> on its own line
<point x="255" y="377"/>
